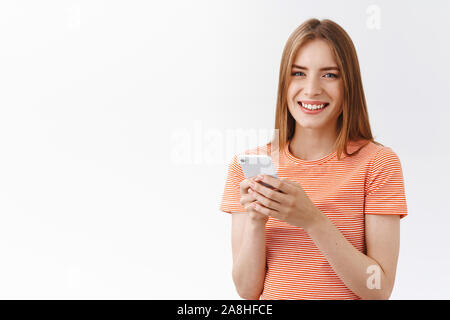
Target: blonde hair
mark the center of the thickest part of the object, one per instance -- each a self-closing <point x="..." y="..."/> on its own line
<point x="353" y="122"/>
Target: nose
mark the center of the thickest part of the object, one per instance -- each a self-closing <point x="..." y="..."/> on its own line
<point x="312" y="87"/>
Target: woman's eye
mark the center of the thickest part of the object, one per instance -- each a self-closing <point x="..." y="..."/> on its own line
<point x="331" y="75"/>
<point x="298" y="73"/>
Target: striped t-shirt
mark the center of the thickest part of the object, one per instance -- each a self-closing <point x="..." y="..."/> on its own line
<point x="370" y="182"/>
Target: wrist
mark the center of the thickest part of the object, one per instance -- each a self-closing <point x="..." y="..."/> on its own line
<point x="255" y="223"/>
<point x="318" y="223"/>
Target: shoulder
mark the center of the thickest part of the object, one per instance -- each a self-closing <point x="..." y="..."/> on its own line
<point x="383" y="156"/>
<point x="373" y="151"/>
<point x="374" y="157"/>
<point x="384" y="169"/>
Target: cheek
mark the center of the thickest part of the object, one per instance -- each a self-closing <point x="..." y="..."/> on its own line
<point x="291" y="92"/>
<point x="294" y="87"/>
<point x="290" y="97"/>
<point x="336" y="92"/>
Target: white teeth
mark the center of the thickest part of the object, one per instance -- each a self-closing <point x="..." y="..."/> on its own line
<point x="312" y="106"/>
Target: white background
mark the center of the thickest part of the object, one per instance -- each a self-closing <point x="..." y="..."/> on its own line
<point x="98" y="97"/>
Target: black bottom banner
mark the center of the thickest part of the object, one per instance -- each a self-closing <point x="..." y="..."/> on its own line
<point x="216" y="309"/>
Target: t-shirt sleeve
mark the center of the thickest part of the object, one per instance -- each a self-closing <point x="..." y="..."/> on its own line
<point x="384" y="188"/>
<point x="231" y="195"/>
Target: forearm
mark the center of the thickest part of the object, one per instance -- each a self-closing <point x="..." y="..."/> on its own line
<point x="249" y="269"/>
<point x="349" y="263"/>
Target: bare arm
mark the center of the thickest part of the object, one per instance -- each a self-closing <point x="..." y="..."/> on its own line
<point x="249" y="255"/>
<point x="371" y="275"/>
<point x="248" y="246"/>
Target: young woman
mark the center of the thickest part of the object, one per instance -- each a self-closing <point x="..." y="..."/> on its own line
<point x="330" y="228"/>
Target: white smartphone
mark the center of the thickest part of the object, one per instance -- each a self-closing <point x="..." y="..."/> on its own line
<point x="254" y="164"/>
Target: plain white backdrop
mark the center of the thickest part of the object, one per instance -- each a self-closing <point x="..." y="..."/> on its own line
<point x="114" y="122"/>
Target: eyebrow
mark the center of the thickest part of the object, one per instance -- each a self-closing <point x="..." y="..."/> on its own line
<point x="322" y="69"/>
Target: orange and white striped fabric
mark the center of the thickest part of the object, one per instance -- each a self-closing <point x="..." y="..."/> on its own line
<point x="370" y="182"/>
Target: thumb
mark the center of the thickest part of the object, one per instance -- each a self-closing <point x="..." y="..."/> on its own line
<point x="292" y="183"/>
<point x="289" y="181"/>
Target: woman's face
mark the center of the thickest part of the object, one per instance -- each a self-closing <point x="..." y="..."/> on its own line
<point x="315" y="81"/>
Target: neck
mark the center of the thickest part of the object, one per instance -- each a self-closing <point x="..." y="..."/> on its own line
<point x="309" y="144"/>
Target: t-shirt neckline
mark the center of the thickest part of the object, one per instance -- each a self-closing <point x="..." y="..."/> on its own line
<point x="291" y="157"/>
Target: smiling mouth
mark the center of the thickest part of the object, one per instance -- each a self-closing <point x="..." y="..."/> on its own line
<point x="313" y="105"/>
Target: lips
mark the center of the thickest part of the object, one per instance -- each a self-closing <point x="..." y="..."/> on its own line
<point x="315" y="102"/>
<point x="313" y="105"/>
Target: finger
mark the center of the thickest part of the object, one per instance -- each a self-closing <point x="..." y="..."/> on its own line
<point x="267" y="185"/>
<point x="244" y="185"/>
<point x="277" y="183"/>
<point x="294" y="183"/>
<point x="272" y="194"/>
<point x="247" y="198"/>
<point x="250" y="207"/>
<point x="267" y="202"/>
<point x="264" y="210"/>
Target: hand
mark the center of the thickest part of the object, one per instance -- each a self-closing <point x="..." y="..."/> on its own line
<point x="288" y="202"/>
<point x="248" y="201"/>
